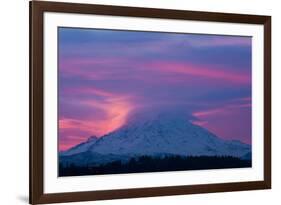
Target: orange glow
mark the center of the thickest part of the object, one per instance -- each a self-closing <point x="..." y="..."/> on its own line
<point x="115" y="109"/>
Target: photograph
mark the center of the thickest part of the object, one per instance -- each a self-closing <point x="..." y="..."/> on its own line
<point x="134" y="101"/>
<point x="129" y="102"/>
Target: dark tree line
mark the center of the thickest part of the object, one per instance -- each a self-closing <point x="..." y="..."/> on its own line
<point x="155" y="164"/>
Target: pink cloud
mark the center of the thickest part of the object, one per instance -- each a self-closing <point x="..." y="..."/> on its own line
<point x="202" y="71"/>
<point x="88" y="68"/>
<point x="200" y="123"/>
<point x="224" y="109"/>
<point x="115" y="109"/>
<point x="228" y="121"/>
<point x="89" y="91"/>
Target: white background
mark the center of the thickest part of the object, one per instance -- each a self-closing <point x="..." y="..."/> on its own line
<point x="14" y="101"/>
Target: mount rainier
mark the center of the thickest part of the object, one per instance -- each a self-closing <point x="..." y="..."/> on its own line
<point x="160" y="135"/>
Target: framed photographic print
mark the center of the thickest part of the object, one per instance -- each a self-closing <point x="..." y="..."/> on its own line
<point x="138" y="102"/>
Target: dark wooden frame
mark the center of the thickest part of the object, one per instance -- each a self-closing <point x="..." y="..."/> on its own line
<point x="37" y="9"/>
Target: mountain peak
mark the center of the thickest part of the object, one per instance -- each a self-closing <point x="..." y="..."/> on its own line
<point x="161" y="133"/>
<point x="161" y="117"/>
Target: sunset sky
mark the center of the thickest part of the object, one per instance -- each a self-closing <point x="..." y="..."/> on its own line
<point x="105" y="76"/>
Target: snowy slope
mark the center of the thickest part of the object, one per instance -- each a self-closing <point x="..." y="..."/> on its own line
<point x="82" y="147"/>
<point x="166" y="133"/>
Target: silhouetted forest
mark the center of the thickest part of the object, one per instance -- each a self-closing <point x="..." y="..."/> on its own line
<point x="155" y="164"/>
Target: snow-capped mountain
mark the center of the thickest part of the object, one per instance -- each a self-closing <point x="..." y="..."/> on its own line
<point x="166" y="133"/>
